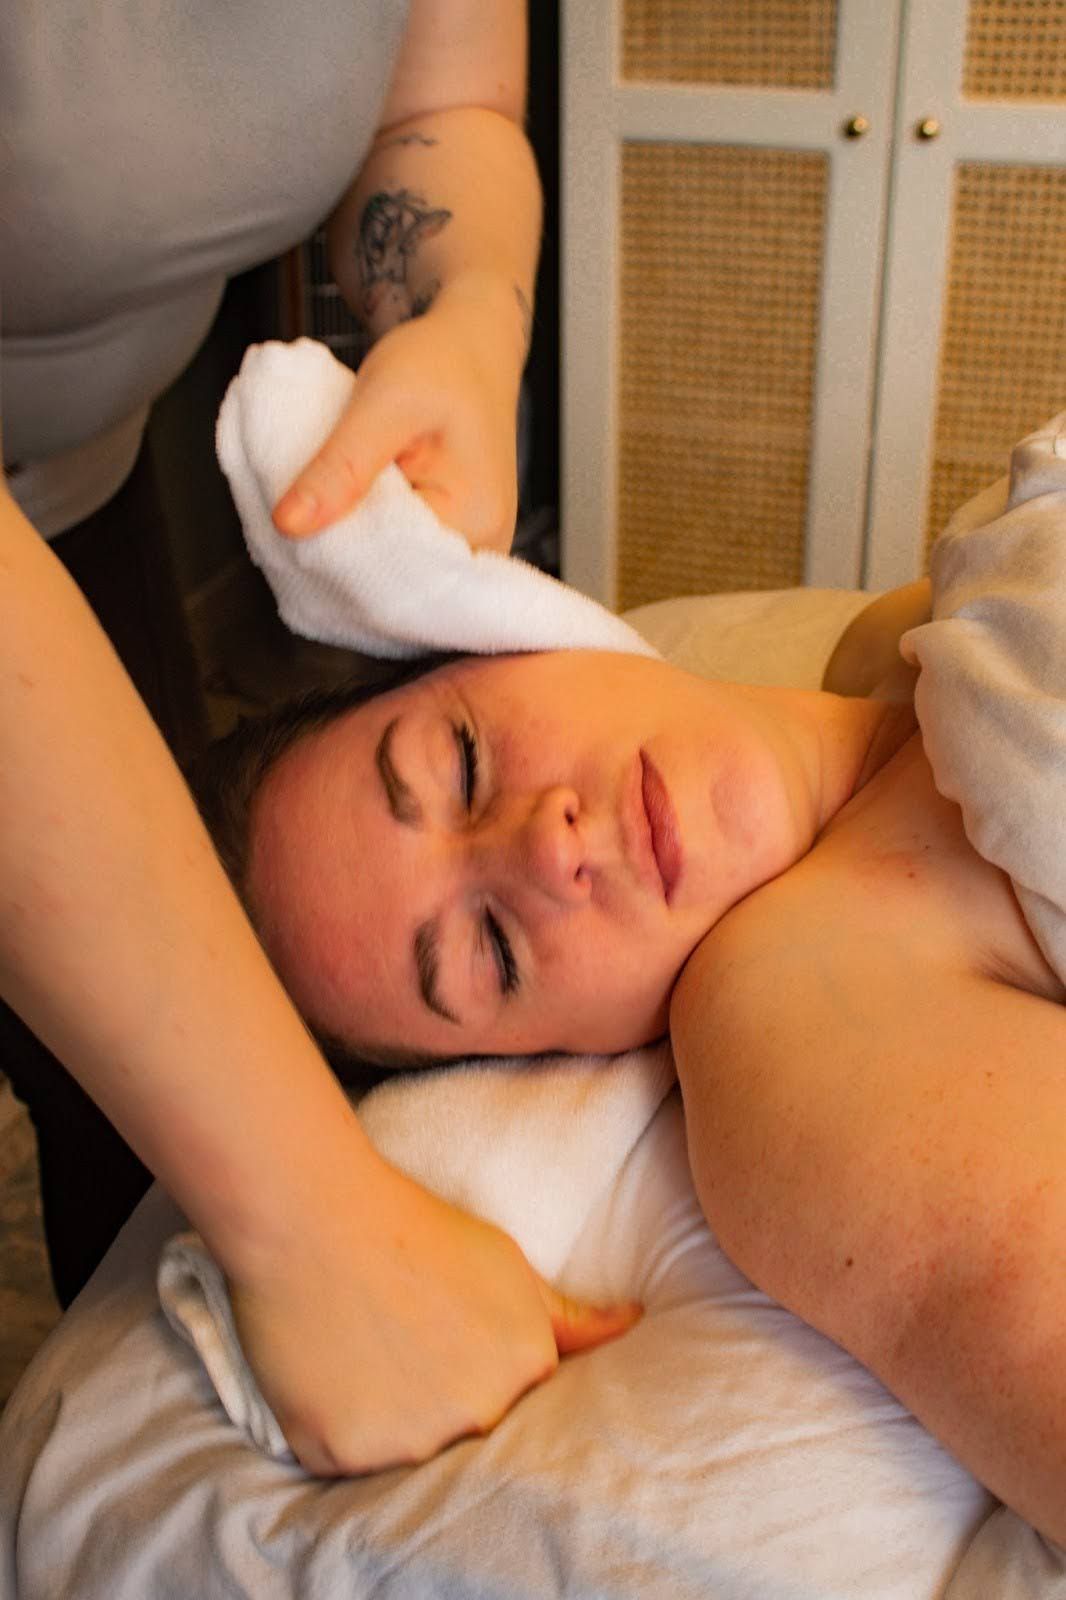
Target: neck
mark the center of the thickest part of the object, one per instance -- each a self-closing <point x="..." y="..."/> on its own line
<point x="827" y="747"/>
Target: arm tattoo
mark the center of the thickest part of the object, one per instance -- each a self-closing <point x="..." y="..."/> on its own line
<point x="392" y="228"/>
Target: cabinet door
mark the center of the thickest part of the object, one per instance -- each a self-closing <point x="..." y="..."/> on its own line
<point x="722" y="249"/>
<point x="973" y="336"/>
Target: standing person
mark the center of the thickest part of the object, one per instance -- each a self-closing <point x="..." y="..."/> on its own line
<point x="148" y="162"/>
<point x="145" y="161"/>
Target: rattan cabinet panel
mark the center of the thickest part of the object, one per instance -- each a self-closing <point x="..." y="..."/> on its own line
<point x="718" y="329"/>
<point x="814" y="279"/>
<point x="789" y="44"/>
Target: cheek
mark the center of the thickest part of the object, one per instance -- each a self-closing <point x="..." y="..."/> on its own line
<point x="621" y="981"/>
<point x="733" y="811"/>
<point x="526" y="749"/>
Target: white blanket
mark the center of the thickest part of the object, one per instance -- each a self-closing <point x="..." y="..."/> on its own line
<point x="991" y="697"/>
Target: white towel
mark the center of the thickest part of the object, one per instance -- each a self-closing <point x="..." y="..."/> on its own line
<point x="991" y="696"/>
<point x="388" y="579"/>
<point x="530" y="1146"/>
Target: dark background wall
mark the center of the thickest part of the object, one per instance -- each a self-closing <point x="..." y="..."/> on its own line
<point x="542" y="374"/>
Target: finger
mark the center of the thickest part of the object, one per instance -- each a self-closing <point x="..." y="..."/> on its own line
<point x="364" y="441"/>
<point x="486" y="521"/>
<point x="577" y="1326"/>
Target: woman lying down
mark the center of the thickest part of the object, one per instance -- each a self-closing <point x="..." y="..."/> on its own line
<point x="579" y="852"/>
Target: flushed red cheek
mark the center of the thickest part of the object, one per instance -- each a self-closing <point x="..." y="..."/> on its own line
<point x="730" y="807"/>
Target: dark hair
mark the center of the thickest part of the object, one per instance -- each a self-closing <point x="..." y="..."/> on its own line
<point x="226" y="779"/>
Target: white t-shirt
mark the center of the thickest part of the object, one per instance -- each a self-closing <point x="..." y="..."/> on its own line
<point x="147" y="153"/>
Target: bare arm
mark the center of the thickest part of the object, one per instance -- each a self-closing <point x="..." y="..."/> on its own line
<point x="380" y="1322"/>
<point x="448" y="201"/>
<point x="876" y="1134"/>
<point x="435" y="249"/>
<point x="120" y="942"/>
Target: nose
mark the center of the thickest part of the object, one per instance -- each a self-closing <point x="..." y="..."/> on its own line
<point x="543" y="848"/>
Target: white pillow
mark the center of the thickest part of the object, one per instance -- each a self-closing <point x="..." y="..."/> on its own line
<point x="777" y="636"/>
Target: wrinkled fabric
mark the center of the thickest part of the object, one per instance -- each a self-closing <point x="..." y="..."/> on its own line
<point x="991" y="695"/>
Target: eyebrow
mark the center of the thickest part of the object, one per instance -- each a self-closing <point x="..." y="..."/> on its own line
<point x="427" y="952"/>
<point x="403" y="802"/>
<point x="405" y="807"/>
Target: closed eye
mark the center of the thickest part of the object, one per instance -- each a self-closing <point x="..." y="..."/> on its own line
<point x="466" y="745"/>
<point x="503" y="954"/>
<point x="505" y="961"/>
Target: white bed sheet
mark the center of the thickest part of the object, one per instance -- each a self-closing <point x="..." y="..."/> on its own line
<point x="722" y="1450"/>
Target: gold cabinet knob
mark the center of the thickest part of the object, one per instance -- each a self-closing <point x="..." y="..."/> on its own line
<point x="928" y="128"/>
<point x="856" y="126"/>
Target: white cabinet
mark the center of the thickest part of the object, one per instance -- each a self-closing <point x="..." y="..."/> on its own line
<point x="814" y="280"/>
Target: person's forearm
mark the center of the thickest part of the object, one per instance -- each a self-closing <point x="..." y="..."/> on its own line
<point x="122" y="944"/>
<point x="447" y="205"/>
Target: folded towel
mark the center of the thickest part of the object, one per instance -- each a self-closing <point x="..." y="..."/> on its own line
<point x="388" y="579"/>
<point x="530" y="1146"/>
<point x="991" y="696"/>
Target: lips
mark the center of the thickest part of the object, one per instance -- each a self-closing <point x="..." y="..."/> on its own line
<point x="662" y="820"/>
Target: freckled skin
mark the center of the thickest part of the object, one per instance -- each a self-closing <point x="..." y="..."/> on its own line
<point x="870" y="1050"/>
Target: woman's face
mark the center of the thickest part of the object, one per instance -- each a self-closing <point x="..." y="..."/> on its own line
<point x="513" y="854"/>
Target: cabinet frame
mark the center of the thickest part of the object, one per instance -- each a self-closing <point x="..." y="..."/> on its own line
<point x="884" y="265"/>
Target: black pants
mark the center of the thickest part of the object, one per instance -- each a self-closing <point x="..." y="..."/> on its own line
<point x="90" y="1178"/>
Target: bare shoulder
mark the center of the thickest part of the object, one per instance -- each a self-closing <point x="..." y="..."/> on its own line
<point x="889" y="963"/>
<point x="863" y="1012"/>
<point x="810" y="961"/>
<point x="874" y="1079"/>
<point x="865" y="1105"/>
<point x="833" y="960"/>
<point x="875" y="1131"/>
<point x="892" y="909"/>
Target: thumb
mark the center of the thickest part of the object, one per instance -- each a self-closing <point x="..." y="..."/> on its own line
<point x="578" y="1326"/>
<point x="364" y="441"/>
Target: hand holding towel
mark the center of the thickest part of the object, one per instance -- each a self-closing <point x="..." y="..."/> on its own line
<point x="388" y="579"/>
